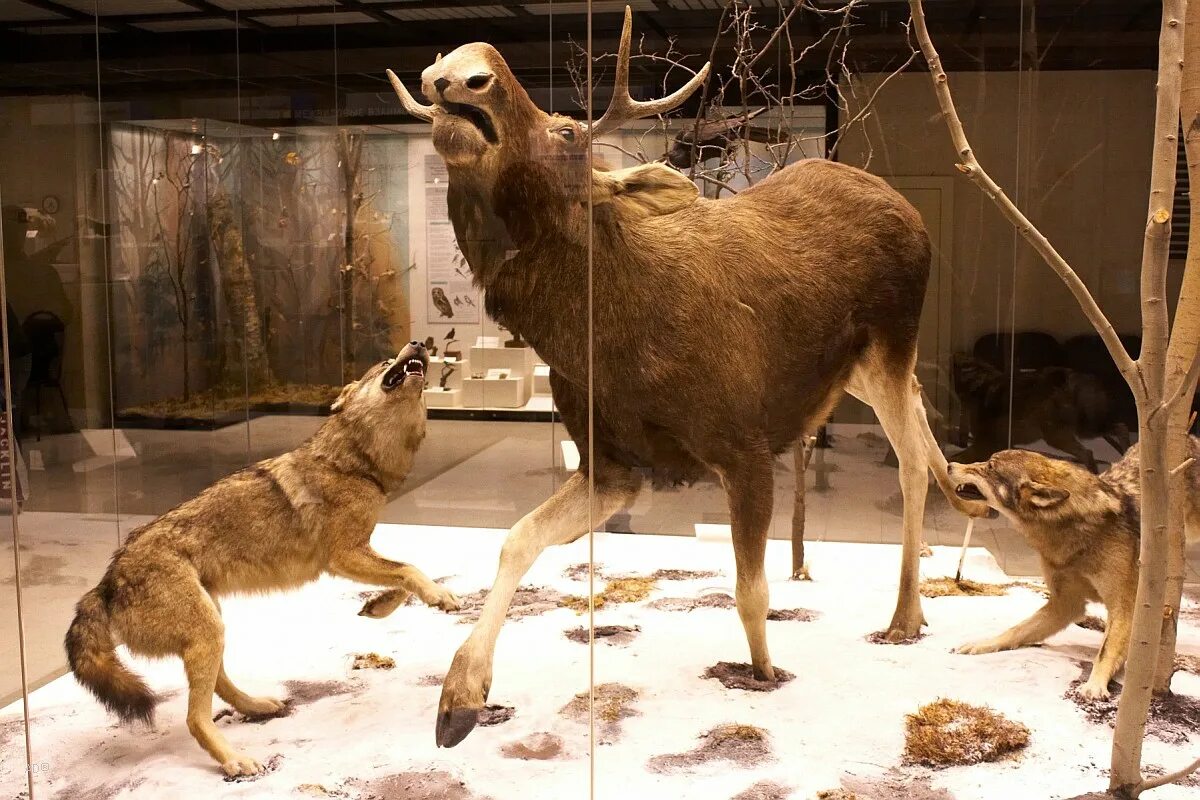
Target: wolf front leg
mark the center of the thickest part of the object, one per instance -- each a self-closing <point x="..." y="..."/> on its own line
<point x="561" y="519"/>
<point x="367" y="566"/>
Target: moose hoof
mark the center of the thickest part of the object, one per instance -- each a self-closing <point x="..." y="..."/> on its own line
<point x="455" y="725"/>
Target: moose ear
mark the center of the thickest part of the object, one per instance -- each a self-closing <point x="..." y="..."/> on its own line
<point x="1040" y="495"/>
<point x="340" y="403"/>
<point x="647" y="190"/>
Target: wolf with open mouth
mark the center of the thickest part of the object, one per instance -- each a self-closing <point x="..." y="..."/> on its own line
<point x="276" y="525"/>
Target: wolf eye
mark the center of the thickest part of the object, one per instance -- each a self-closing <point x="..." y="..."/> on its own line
<point x="567" y="133"/>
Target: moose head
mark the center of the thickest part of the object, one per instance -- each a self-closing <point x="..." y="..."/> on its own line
<point x="486" y="128"/>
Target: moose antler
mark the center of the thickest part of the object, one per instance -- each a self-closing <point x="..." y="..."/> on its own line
<point x="623" y="108"/>
<point x="414" y="108"/>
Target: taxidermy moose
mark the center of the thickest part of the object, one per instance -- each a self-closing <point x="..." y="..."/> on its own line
<point x="770" y="305"/>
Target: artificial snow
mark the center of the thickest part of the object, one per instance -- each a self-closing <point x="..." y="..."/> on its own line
<point x="367" y="734"/>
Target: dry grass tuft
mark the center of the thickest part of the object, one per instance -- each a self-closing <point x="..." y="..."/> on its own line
<point x="836" y="794"/>
<point x="948" y="587"/>
<point x="373" y="661"/>
<point x="619" y="590"/>
<point x="951" y="733"/>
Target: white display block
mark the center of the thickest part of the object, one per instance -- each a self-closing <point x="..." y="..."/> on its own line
<point x="517" y="359"/>
<point x="443" y="398"/>
<point x="433" y="376"/>
<point x="541" y="379"/>
<point x="493" y="393"/>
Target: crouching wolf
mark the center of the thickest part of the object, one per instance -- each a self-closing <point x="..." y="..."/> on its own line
<point x="276" y="525"/>
<point x="1086" y="528"/>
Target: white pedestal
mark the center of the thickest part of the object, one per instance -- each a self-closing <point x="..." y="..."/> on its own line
<point x="433" y="376"/>
<point x="518" y="360"/>
<point x="495" y="393"/>
<point x="439" y="398"/>
<point x="541" y="379"/>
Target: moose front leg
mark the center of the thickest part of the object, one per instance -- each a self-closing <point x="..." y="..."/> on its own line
<point x="750" y="486"/>
<point x="561" y="519"/>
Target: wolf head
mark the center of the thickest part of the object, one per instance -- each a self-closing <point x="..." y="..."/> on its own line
<point x="1028" y="487"/>
<point x="381" y="416"/>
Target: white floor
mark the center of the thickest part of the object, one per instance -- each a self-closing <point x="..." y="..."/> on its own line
<point x="841" y="718"/>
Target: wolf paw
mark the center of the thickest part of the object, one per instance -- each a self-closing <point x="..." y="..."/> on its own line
<point x="444" y="599"/>
<point x="1093" y="691"/>
<point x="241" y="765"/>
<point x="384" y="603"/>
<point x="261" y="707"/>
<point x="977" y="648"/>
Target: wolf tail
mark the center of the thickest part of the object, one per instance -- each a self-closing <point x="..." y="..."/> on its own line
<point x="93" y="658"/>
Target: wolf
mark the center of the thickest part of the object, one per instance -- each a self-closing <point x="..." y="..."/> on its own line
<point x="276" y="525"/>
<point x="1086" y="529"/>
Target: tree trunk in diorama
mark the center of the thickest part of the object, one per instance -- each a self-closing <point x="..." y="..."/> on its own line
<point x="238" y="289"/>
<point x="1185" y="337"/>
<point x="349" y="159"/>
<point x="1158" y="392"/>
<point x="802" y="453"/>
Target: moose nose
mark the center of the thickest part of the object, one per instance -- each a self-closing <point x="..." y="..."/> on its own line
<point x="440" y="85"/>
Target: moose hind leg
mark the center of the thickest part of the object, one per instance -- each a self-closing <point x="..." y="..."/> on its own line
<point x="750" y="485"/>
<point x="893" y="392"/>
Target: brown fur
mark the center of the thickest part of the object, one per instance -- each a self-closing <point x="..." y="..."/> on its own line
<point x="767" y="307"/>
<point x="1086" y="529"/>
<point x="276" y="525"/>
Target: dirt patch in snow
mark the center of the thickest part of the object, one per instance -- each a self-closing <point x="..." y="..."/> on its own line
<point x="1172" y="718"/>
<point x="792" y="615"/>
<point x="495" y="715"/>
<point x="741" y="676"/>
<point x="881" y="637"/>
<point x="431" y="785"/>
<point x="534" y="747"/>
<point x="714" y="600"/>
<point x="1182" y="664"/>
<point x="614" y="702"/>
<point x="105" y="792"/>
<point x="684" y="574"/>
<point x="430" y="680"/>
<point x="269" y="766"/>
<point x="319" y="790"/>
<point x="303" y="693"/>
<point x="948" y="733"/>
<point x="765" y="790"/>
<point x="743" y="745"/>
<point x="609" y="634"/>
<point x="892" y="785"/>
<point x="579" y="572"/>
<point x="623" y="589"/>
<point x="372" y="661"/>
<point x="529" y="601"/>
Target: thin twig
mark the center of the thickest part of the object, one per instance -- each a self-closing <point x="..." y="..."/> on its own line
<point x="1163" y="780"/>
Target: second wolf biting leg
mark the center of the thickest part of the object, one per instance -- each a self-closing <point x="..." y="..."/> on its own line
<point x="366" y="566"/>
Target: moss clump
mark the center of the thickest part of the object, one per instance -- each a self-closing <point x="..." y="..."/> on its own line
<point x="948" y="587"/>
<point x="618" y="590"/>
<point x="951" y="733"/>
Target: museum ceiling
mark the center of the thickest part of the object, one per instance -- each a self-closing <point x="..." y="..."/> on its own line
<point x="165" y="51"/>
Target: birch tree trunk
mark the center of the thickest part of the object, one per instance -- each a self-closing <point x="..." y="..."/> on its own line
<point x="238" y="289"/>
<point x="1185" y="336"/>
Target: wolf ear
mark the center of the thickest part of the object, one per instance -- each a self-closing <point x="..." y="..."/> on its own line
<point x="1042" y="496"/>
<point x="647" y="190"/>
<point x="340" y="403"/>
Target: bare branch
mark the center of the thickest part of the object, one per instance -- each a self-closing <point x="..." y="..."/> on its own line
<point x="1163" y="780"/>
<point x="970" y="167"/>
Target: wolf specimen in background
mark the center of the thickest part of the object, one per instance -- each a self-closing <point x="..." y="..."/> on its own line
<point x="769" y="305"/>
<point x="1086" y="528"/>
<point x="276" y="525"/>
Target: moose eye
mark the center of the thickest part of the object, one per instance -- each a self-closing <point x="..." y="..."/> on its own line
<point x="478" y="81"/>
<point x="568" y="134"/>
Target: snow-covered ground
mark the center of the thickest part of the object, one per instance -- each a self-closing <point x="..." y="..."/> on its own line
<point x="368" y="734"/>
